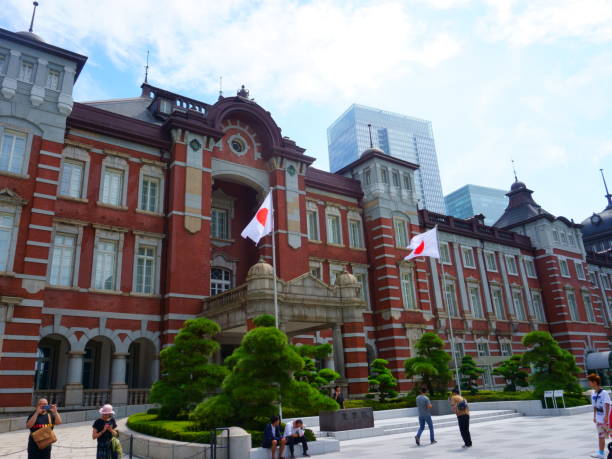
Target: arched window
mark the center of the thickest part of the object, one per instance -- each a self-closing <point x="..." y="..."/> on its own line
<point x="220" y="280"/>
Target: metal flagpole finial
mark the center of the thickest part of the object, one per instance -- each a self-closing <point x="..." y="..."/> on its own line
<point x="147" y="69"/>
<point x="31" y="29"/>
<point x="370" y="130"/>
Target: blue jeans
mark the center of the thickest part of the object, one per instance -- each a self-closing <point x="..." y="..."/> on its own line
<point x="422" y="421"/>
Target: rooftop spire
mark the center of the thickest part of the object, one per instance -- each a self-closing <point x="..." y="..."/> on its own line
<point x="220" y="87"/>
<point x="608" y="195"/>
<point x="370" y="131"/>
<point x="514" y="169"/>
<point x="31" y="29"/>
<point x="147" y="68"/>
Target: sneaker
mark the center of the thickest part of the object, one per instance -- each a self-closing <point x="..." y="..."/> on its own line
<point x="597" y="455"/>
<point x="433" y="442"/>
<point x="416" y="439"/>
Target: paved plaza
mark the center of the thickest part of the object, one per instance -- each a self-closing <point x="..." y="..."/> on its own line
<point x="564" y="437"/>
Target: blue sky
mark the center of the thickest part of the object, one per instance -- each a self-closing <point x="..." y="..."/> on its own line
<point x="499" y="79"/>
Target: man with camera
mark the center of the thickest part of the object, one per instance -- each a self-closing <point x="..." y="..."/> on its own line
<point x="601" y="412"/>
<point x="45" y="416"/>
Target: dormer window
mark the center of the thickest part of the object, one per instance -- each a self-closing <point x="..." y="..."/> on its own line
<point x="53" y="79"/>
<point x="26" y="71"/>
<point x="165" y="106"/>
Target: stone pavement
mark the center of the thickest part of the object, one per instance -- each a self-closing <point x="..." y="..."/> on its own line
<point x="561" y="437"/>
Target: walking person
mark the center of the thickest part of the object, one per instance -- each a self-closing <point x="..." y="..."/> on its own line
<point x="338" y="397"/>
<point x="424" y="406"/>
<point x="601" y="413"/>
<point x="104" y="429"/>
<point x="45" y="415"/>
<point x="460" y="407"/>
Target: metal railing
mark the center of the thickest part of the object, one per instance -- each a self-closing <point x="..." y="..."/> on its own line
<point x="96" y="397"/>
<point x="138" y="396"/>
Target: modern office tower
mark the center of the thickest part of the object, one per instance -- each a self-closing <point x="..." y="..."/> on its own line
<point x="403" y="137"/>
<point x="470" y="200"/>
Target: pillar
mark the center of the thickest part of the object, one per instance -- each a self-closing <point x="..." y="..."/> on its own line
<point x="155" y="368"/>
<point x="119" y="389"/>
<point x="338" y="351"/>
<point x="355" y="358"/>
<point x="74" y="386"/>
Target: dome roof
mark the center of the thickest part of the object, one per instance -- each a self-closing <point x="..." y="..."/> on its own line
<point x="372" y="150"/>
<point x="31" y="36"/>
<point x="598" y="223"/>
<point x="346" y="279"/>
<point x="261" y="268"/>
<point x="517" y="186"/>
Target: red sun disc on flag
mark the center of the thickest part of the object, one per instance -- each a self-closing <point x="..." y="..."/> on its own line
<point x="420" y="248"/>
<point x="262" y="216"/>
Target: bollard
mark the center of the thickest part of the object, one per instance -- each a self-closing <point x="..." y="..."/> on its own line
<point x="131" y="444"/>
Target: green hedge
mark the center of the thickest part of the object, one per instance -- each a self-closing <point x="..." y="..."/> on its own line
<point x="408" y="401"/>
<point x="149" y="424"/>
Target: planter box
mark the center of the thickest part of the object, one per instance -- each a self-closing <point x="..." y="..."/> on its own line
<point x="349" y="419"/>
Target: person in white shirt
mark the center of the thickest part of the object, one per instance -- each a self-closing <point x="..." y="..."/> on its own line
<point x="601" y="412"/>
<point x="294" y="434"/>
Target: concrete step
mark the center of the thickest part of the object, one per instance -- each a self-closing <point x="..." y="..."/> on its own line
<point x="450" y="423"/>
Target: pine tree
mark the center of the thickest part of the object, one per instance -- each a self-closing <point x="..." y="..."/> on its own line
<point x="513" y="372"/>
<point x="469" y="374"/>
<point x="430" y="364"/>
<point x="382" y="380"/>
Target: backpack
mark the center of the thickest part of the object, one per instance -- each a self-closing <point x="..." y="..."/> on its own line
<point x="462" y="405"/>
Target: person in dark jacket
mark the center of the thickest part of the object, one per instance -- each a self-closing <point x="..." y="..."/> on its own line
<point x="338" y="397"/>
<point x="44" y="415"/>
<point x="104" y="429"/>
<point x="273" y="438"/>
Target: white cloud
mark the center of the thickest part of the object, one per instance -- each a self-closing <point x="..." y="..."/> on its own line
<point x="299" y="50"/>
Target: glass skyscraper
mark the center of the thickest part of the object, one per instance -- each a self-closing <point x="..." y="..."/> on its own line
<point x="403" y="137"/>
<point x="470" y="200"/>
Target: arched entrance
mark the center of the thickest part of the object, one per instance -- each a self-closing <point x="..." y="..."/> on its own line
<point x="96" y="375"/>
<point x="51" y="368"/>
<point x="142" y="364"/>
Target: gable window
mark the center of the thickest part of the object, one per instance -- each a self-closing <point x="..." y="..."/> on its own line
<point x="220" y="280"/>
<point x="490" y="261"/>
<point x="401" y="233"/>
<point x="112" y="187"/>
<point x="498" y="304"/>
<point x="407" y="280"/>
<point x="519" y="307"/>
<point x="312" y="218"/>
<point x="572" y="305"/>
<point x="451" y="298"/>
<point x="384" y="174"/>
<point x="334" y="231"/>
<point x="445" y="253"/>
<point x="13" y="152"/>
<point x="396" y="178"/>
<point x="511" y="265"/>
<point x="355" y="234"/>
<point x="26" y="71"/>
<point x="63" y="259"/>
<point x="564" y="267"/>
<point x="538" y="306"/>
<point x="468" y="257"/>
<point x="7" y="233"/>
<point x="483" y="349"/>
<point x="220" y="223"/>
<point x="367" y="176"/>
<point x="475" y="302"/>
<point x="53" y="79"/>
<point x="530" y="268"/>
<point x="71" y="183"/>
<point x="149" y="194"/>
<point x="105" y="267"/>
<point x="407" y="182"/>
<point x="588" y="306"/>
<point x="579" y="270"/>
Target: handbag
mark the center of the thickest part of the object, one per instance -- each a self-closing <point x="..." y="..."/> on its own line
<point x="44" y="437"/>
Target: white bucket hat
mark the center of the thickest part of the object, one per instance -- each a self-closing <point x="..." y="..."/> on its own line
<point x="106" y="409"/>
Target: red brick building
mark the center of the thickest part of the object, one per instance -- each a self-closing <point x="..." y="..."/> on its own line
<point x="120" y="219"/>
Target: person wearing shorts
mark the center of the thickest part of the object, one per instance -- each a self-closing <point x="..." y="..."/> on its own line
<point x="601" y="413"/>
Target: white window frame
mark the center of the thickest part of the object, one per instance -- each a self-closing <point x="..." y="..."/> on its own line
<point x="465" y="251"/>
<point x="148" y="240"/>
<point x="25" y="61"/>
<point x="355" y="219"/>
<point x="488" y="381"/>
<point x="579" y="267"/>
<point x="316" y="265"/>
<point x="214" y="234"/>
<point x="407" y="182"/>
<point x="401" y="223"/>
<point x="483" y="349"/>
<point x="555" y="234"/>
<point x="500" y="311"/>
<point x="3" y="62"/>
<point x="588" y="306"/>
<point x="459" y="349"/>
<point x="23" y="172"/>
<point x="15" y="212"/>
<point x="120" y="164"/>
<point x="574" y="313"/>
<point x="445" y="254"/>
<point x="489" y="257"/>
<point x="51" y="70"/>
<point x="505" y="348"/>
<point x="564" y="272"/>
<point x="361" y="274"/>
<point x="312" y="209"/>
<point x="334" y="271"/>
<point x="155" y="173"/>
<point x="118" y="238"/>
<point x="75" y="154"/>
<point x="605" y="281"/>
<point x="396" y="179"/>
<point x="332" y="212"/>
<point x="76" y="231"/>
<point x="367" y="176"/>
<point x="511" y="261"/>
<point x="538" y="306"/>
<point x="530" y="268"/>
<point x="475" y="301"/>
<point x="516" y="293"/>
<point x="452" y="306"/>
<point x="230" y="284"/>
<point x="384" y="175"/>
<point x="408" y="288"/>
<point x="571" y="239"/>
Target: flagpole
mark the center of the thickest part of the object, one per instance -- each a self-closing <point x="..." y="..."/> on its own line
<point x="450" y="326"/>
<point x="276" y="321"/>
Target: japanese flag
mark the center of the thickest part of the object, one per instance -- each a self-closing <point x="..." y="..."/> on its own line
<point x="424" y="245"/>
<point x="261" y="225"/>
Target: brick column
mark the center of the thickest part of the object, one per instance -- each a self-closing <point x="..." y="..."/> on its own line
<point x="355" y="358"/>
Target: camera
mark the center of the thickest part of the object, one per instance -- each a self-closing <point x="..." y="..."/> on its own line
<point x="46" y="407"/>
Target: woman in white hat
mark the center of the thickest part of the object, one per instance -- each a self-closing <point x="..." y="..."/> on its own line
<point x="103" y="430"/>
